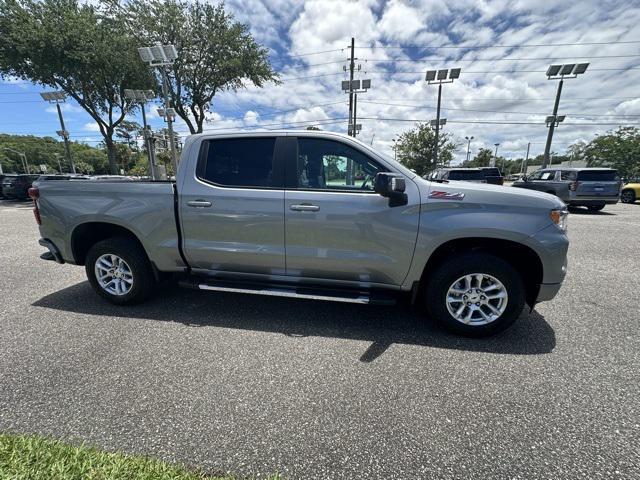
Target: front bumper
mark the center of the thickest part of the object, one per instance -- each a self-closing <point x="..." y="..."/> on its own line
<point x="54" y="253"/>
<point x="548" y="291"/>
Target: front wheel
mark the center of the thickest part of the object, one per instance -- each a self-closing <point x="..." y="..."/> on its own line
<point x="628" y="196"/>
<point x="475" y="294"/>
<point x="119" y="270"/>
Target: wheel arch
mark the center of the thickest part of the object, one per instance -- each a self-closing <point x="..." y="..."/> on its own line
<point x="525" y="260"/>
<point x="86" y="235"/>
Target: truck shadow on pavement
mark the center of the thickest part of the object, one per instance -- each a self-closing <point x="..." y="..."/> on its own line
<point x="381" y="325"/>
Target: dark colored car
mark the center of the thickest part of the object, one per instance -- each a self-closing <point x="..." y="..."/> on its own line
<point x="578" y="187"/>
<point x="9" y="177"/>
<point x="463" y="174"/>
<point x="493" y="175"/>
<point x="17" y="186"/>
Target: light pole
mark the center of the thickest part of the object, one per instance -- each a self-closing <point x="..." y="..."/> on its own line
<point x="395" y="146"/>
<point x="57" y="155"/>
<point x="162" y="57"/>
<point x="141" y="97"/>
<point x="468" y="139"/>
<point x="495" y="155"/>
<point x="23" y="158"/>
<point x="559" y="72"/>
<point x="57" y="97"/>
<point x="440" y="77"/>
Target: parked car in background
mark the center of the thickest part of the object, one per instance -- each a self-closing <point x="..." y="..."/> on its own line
<point x="493" y="175"/>
<point x="312" y="215"/>
<point x="577" y="187"/>
<point x="630" y="193"/>
<point x="464" y="174"/>
<point x="17" y="186"/>
<point x="8" y="177"/>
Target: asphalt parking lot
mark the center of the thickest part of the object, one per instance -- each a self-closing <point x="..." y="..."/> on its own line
<point x="257" y="385"/>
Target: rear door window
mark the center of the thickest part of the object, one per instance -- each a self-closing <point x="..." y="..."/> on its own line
<point x="568" y="175"/>
<point x="598" y="176"/>
<point x="548" y="175"/>
<point x="240" y="162"/>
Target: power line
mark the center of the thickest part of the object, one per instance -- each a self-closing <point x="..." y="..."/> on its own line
<point x="449" y="60"/>
<point x="493" y="111"/>
<point x="524" y="45"/>
<point x="493" y="122"/>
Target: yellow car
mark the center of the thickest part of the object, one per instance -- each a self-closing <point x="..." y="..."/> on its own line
<point x="630" y="193"/>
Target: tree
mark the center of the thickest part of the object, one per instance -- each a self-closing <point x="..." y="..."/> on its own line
<point x="619" y="150"/>
<point x="414" y="149"/>
<point x="215" y="53"/>
<point x="72" y="46"/>
<point x="482" y="159"/>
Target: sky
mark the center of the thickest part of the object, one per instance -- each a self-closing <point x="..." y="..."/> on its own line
<point x="502" y="96"/>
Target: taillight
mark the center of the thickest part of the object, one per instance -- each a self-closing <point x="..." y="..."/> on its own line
<point x="34" y="193"/>
<point x="573" y="186"/>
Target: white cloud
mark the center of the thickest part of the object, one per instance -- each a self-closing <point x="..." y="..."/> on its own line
<point x="91" y="127"/>
<point x="251" y="117"/>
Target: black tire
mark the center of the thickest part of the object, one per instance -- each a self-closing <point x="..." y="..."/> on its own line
<point x="135" y="257"/>
<point x="628" y="196"/>
<point x="448" y="272"/>
<point x="595" y="208"/>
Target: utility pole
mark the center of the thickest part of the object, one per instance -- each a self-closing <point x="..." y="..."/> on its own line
<point x="355" y="108"/>
<point x="353" y="87"/>
<point x="559" y="72"/>
<point x="351" y="68"/>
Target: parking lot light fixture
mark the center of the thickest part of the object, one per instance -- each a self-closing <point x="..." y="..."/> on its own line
<point x="162" y="57"/>
<point x="559" y="72"/>
<point x="468" y="139"/>
<point x="57" y="97"/>
<point x="440" y="76"/>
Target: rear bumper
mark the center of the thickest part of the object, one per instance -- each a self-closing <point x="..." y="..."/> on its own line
<point x="53" y="250"/>
<point x="548" y="291"/>
<point x="588" y="201"/>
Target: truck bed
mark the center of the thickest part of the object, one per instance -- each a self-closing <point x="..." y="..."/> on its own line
<point x="146" y="208"/>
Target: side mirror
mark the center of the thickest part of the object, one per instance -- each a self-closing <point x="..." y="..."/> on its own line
<point x="392" y="186"/>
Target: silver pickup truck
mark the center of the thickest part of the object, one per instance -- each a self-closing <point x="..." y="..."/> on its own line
<point x="313" y="215"/>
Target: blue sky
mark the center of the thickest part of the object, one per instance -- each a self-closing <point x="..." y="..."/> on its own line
<point x="503" y="48"/>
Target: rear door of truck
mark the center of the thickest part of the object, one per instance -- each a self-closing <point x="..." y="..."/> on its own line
<point x="232" y="206"/>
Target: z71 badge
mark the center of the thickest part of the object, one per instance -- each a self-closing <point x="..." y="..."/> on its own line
<point x="446" y="195"/>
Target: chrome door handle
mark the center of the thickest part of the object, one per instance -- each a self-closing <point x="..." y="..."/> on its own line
<point x="305" y="208"/>
<point x="199" y="203"/>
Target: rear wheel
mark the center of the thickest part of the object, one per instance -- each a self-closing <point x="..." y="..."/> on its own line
<point x="119" y="270"/>
<point x="596" y="208"/>
<point x="475" y="294"/>
<point x="628" y="196"/>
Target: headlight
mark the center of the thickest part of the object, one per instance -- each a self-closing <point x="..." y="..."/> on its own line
<point x="559" y="217"/>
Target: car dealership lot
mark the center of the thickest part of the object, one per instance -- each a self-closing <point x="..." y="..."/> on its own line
<point x="328" y="390"/>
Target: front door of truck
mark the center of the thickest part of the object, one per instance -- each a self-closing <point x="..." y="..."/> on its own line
<point x="337" y="227"/>
<point x="232" y="211"/>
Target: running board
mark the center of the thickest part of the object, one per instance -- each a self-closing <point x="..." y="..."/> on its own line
<point x="303" y="292"/>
